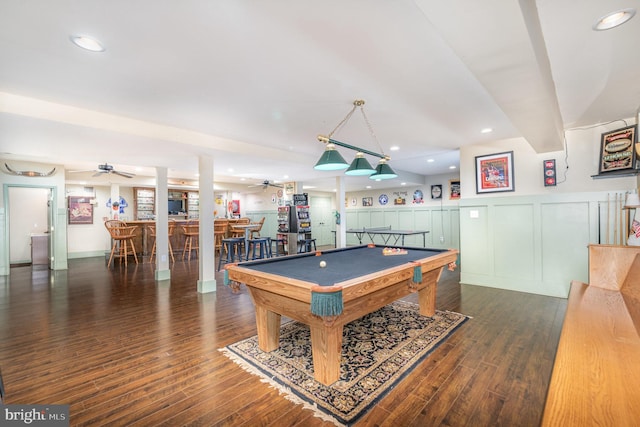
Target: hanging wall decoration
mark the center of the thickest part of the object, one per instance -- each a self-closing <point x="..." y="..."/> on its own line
<point x="494" y="172"/>
<point x="617" y="150"/>
<point x="80" y="210"/>
<point x="454" y="189"/>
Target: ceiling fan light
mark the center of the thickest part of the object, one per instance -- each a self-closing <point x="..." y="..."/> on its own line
<point x="383" y="171"/>
<point x="331" y="160"/>
<point x="360" y="166"/>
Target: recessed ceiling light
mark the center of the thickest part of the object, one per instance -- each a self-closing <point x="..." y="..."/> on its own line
<point x="452" y="167"/>
<point x="394" y="148"/>
<point x="403" y="183"/>
<point x="87" y="43"/>
<point x="613" y="19"/>
<point x="486" y="130"/>
<point x="368" y="186"/>
<point x="430" y="160"/>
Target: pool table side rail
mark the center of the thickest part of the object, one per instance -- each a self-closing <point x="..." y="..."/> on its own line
<point x="351" y="289"/>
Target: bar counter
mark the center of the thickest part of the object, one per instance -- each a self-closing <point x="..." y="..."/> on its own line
<point x="144" y="241"/>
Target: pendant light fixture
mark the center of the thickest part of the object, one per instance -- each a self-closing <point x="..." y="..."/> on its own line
<point x="332" y="160"/>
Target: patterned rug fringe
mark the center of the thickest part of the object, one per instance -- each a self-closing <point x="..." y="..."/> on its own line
<point x="284" y="391"/>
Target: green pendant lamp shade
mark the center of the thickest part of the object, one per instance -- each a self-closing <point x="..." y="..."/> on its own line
<point x="360" y="166"/>
<point x="383" y="171"/>
<point x="331" y="160"/>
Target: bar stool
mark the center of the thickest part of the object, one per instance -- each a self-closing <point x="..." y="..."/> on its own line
<point x="191" y="233"/>
<point x="279" y="242"/>
<point x="306" y="244"/>
<point x="263" y="246"/>
<point x="152" y="233"/>
<point x="230" y="250"/>
<point x="122" y="237"/>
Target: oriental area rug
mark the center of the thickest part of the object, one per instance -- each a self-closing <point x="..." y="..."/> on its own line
<point x="378" y="351"/>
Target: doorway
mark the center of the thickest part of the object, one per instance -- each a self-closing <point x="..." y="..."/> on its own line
<point x="30" y="214"/>
<point x="322" y="220"/>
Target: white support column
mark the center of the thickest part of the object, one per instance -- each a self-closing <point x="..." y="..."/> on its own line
<point x="207" y="262"/>
<point x="341" y="235"/>
<point x="162" y="225"/>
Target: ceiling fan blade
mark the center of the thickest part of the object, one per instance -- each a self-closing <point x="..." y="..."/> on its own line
<point x="98" y="173"/>
<point x="124" y="174"/>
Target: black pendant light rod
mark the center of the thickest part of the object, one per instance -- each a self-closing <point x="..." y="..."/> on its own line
<point x="327" y="140"/>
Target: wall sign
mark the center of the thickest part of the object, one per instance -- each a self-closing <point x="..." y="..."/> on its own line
<point x="454" y="189"/>
<point x="549" y="167"/>
<point x="617" y="150"/>
<point x="436" y="191"/>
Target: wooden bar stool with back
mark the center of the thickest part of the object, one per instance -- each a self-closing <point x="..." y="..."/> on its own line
<point x="191" y="233"/>
<point x="152" y="232"/>
<point x="122" y="239"/>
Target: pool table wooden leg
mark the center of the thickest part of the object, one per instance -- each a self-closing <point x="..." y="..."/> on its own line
<point x="326" y="346"/>
<point x="268" y="324"/>
<point x="427" y="300"/>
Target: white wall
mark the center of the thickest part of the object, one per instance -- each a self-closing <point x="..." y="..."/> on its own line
<point x="534" y="239"/>
<point x="574" y="167"/>
<point x="86" y="240"/>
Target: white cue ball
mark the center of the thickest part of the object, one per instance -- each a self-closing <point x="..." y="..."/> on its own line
<point x="323" y="264"/>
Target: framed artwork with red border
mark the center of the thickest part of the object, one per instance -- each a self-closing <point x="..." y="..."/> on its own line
<point x="494" y="173"/>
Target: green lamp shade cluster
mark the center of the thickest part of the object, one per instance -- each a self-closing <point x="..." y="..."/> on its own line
<point x="332" y="160"/>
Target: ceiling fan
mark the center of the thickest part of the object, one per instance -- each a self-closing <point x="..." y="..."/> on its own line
<point x="265" y="184"/>
<point x="108" y="169"/>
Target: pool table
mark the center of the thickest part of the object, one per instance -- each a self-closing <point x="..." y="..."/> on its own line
<point x="355" y="281"/>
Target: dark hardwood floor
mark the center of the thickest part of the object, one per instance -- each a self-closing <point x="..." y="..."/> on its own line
<point x="123" y="350"/>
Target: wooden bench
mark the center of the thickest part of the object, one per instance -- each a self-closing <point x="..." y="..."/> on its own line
<point x="596" y="374"/>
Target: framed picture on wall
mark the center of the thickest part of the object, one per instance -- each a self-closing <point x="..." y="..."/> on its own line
<point x="436" y="191"/>
<point x="617" y="151"/>
<point x="494" y="172"/>
<point x="367" y="201"/>
<point x="80" y="210"/>
<point x="454" y="189"/>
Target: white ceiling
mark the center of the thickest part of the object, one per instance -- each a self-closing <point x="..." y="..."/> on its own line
<point x="253" y="83"/>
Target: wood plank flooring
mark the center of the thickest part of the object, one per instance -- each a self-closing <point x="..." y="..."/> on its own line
<point x="124" y="350"/>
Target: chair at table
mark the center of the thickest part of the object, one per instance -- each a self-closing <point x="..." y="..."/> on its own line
<point x="191" y="232"/>
<point x="122" y="237"/>
<point x="239" y="231"/>
<point x="223" y="223"/>
<point x="255" y="232"/>
<point x="152" y="233"/>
